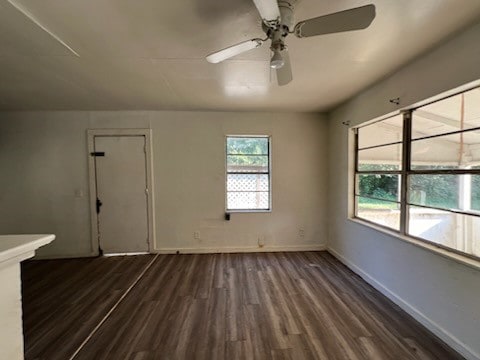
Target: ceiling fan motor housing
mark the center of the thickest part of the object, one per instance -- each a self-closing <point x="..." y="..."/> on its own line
<point x="279" y="31"/>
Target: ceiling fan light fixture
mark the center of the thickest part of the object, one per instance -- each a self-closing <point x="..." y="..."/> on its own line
<point x="277" y="60"/>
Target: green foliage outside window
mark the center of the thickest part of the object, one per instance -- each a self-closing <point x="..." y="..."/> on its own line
<point x="438" y="190"/>
<point x="247" y="151"/>
<point x="383" y="187"/>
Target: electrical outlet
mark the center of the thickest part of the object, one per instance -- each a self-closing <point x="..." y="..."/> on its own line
<point x="196" y="235"/>
<point x="301" y="232"/>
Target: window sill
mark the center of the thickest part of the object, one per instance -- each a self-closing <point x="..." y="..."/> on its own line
<point x="247" y="211"/>
<point x="464" y="260"/>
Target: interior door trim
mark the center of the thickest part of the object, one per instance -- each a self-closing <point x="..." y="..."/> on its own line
<point x="91" y="134"/>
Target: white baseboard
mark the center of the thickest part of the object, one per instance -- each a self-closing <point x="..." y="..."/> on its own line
<point x="59" y="256"/>
<point x="214" y="250"/>
<point x="126" y="254"/>
<point x="246" y="249"/>
<point x="431" y="325"/>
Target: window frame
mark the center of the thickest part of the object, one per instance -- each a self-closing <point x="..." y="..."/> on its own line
<point x="406" y="171"/>
<point x="269" y="173"/>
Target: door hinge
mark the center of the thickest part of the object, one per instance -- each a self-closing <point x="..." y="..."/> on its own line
<point x="97" y="153"/>
<point x="98" y="204"/>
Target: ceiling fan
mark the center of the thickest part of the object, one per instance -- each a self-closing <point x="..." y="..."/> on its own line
<point x="277" y="23"/>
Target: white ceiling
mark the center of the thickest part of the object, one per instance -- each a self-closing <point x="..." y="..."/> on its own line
<point x="146" y="54"/>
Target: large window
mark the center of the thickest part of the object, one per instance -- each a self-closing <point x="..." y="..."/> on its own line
<point x="418" y="173"/>
<point x="248" y="173"/>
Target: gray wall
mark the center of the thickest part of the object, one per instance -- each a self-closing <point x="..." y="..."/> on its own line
<point x="440" y="292"/>
<point x="44" y="181"/>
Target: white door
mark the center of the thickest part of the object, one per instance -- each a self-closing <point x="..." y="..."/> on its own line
<point x="121" y="177"/>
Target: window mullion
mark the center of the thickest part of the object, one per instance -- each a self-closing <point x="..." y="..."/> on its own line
<point x="355" y="181"/>
<point x="406" y="155"/>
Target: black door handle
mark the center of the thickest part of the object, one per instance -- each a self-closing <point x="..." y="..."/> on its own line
<point x="98" y="204"/>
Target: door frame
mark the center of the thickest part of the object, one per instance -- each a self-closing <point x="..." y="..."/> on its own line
<point x="91" y="134"/>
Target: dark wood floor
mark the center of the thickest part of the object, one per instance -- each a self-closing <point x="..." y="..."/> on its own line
<point x="222" y="306"/>
<point x="63" y="300"/>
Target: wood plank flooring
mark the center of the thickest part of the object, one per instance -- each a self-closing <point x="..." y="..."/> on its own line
<point x="63" y="300"/>
<point x="219" y="306"/>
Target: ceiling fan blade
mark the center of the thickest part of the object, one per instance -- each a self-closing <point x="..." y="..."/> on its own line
<point x="284" y="74"/>
<point x="268" y="10"/>
<point x="347" y="20"/>
<point x="231" y="51"/>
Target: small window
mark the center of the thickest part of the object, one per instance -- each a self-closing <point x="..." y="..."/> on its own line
<point x="248" y="173"/>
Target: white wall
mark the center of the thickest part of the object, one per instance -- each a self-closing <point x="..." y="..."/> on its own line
<point x="443" y="294"/>
<point x="44" y="178"/>
<point x="11" y="336"/>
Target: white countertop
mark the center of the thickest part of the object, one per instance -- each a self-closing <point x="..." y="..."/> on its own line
<point x="21" y="247"/>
